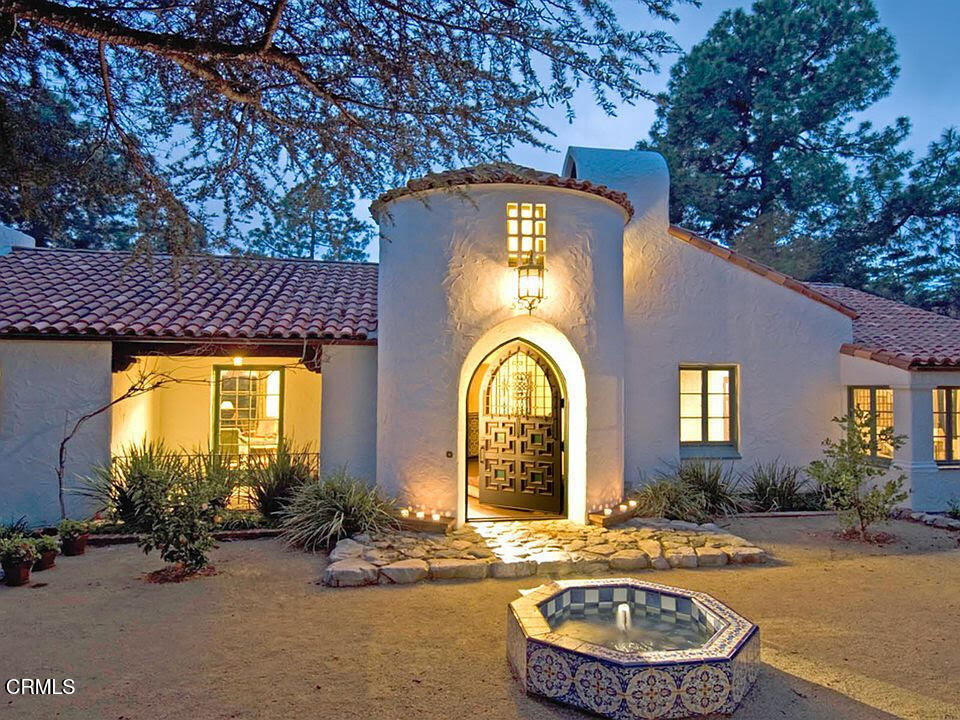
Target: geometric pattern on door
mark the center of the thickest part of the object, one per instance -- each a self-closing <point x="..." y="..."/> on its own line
<point x="521" y="454"/>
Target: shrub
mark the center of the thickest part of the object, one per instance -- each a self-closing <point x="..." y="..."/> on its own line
<point x="120" y="489"/>
<point x="212" y="476"/>
<point x="322" y="511"/>
<point x="776" y="486"/>
<point x="240" y="520"/>
<point x="46" y="543"/>
<point x="851" y="479"/>
<point x="71" y="529"/>
<point x="274" y="481"/>
<point x="178" y="524"/>
<point x="953" y="509"/>
<point x="669" y="497"/>
<point x="14" y="528"/>
<point x="18" y="549"/>
<point x="715" y="482"/>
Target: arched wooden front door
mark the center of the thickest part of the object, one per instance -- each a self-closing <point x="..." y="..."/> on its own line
<point x="520" y="432"/>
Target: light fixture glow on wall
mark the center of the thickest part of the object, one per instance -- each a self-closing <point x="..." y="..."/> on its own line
<point x="237" y="361"/>
<point x="527" y="249"/>
<point x="529" y="285"/>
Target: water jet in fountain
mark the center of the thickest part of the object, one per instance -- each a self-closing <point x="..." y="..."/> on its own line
<point x="624" y="622"/>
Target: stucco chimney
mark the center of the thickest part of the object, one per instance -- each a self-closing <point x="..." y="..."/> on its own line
<point x="10" y="238"/>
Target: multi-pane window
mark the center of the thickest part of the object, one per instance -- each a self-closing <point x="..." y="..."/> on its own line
<point x="526" y="233"/>
<point x="249" y="410"/>
<point x="946" y="424"/>
<point x="708" y="405"/>
<point x="878" y="402"/>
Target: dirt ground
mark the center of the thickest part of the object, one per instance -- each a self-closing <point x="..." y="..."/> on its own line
<point x="849" y="632"/>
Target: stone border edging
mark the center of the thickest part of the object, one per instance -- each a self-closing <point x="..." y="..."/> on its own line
<point x="783" y="514"/>
<point x="127" y="539"/>
<point x="938" y="520"/>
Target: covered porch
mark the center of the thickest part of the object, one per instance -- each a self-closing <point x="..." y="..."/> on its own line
<point x="237" y="402"/>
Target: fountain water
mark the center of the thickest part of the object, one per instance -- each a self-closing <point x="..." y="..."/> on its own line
<point x="624" y="621"/>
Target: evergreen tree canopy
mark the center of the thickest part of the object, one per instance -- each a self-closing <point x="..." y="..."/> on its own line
<point x="759" y="129"/>
<point x="62" y="181"/>
<point x="223" y="106"/>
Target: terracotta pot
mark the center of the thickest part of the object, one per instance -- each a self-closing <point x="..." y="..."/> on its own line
<point x="75" y="546"/>
<point x="46" y="560"/>
<point x="17" y="573"/>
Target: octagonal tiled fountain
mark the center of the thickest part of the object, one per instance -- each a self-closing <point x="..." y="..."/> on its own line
<point x="627" y="649"/>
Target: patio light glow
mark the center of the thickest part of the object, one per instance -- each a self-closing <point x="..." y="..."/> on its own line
<point x="436" y="517"/>
<point x="632" y="503"/>
<point x="608" y="511"/>
<point x="237" y="361"/>
<point x="420" y="514"/>
<point x="623" y="507"/>
<point x="404" y="512"/>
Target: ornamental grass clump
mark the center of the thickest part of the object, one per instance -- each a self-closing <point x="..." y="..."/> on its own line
<point x="778" y="487"/>
<point x="324" y="510"/>
<point x="121" y="488"/>
<point x="14" y="528"/>
<point x="851" y="479"/>
<point x="668" y="496"/>
<point x="273" y="481"/>
<point x="714" y="482"/>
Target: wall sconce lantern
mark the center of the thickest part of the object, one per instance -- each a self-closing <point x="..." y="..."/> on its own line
<point x="529" y="285"/>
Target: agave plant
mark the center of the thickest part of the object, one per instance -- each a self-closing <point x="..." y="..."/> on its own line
<point x="322" y="511"/>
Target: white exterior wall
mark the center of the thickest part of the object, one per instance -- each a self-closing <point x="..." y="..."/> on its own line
<point x="349" y="429"/>
<point x="46" y="385"/>
<point x="181" y="413"/>
<point x="444" y="283"/>
<point x="931" y="487"/>
<point x="684" y="305"/>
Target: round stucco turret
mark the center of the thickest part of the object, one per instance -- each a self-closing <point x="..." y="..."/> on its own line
<point x="446" y="292"/>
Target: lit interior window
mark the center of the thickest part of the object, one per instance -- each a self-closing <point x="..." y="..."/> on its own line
<point x="705" y="405"/>
<point x="878" y="401"/>
<point x="526" y="233"/>
<point x="946" y="425"/>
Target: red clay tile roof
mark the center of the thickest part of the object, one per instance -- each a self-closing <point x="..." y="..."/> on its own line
<point x="492" y="173"/>
<point x="107" y="294"/>
<point x="896" y="334"/>
<point x="761" y="269"/>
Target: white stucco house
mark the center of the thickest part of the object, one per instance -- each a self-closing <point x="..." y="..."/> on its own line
<point x="528" y="344"/>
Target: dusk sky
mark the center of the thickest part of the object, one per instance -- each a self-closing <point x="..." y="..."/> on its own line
<point x="927" y="91"/>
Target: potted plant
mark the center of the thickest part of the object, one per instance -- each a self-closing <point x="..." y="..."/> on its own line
<point x="47" y="547"/>
<point x="73" y="535"/>
<point x="17" y="555"/>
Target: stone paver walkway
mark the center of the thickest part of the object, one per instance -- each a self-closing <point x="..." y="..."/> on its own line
<point x="520" y="549"/>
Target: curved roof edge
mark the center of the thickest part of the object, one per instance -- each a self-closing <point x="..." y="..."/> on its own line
<point x="500" y="173"/>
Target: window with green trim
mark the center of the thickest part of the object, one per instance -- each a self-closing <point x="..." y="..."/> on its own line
<point x="878" y="401"/>
<point x="248" y="415"/>
<point x="708" y="405"/>
<point x="946" y="424"/>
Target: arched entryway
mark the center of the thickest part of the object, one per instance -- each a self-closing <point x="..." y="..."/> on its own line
<point x="515" y="435"/>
